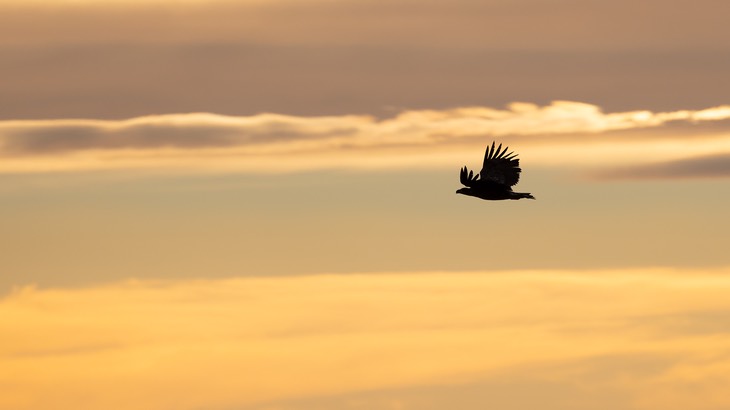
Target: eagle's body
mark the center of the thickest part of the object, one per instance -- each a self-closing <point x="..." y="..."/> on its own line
<point x="500" y="171"/>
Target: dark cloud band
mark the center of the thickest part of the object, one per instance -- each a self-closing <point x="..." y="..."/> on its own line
<point x="713" y="166"/>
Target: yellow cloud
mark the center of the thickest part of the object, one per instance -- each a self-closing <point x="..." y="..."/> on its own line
<point x="560" y="133"/>
<point x="241" y="342"/>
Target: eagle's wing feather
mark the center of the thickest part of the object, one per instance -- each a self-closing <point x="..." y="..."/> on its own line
<point x="467" y="178"/>
<point x="500" y="166"/>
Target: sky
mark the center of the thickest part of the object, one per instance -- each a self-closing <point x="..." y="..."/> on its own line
<point x="250" y="205"/>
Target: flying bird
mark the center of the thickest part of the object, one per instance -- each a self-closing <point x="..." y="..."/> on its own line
<point x="500" y="172"/>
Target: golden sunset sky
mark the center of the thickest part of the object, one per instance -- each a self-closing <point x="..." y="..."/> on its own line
<point x="249" y="205"/>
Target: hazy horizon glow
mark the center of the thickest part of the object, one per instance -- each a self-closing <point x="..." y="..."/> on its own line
<point x="265" y="342"/>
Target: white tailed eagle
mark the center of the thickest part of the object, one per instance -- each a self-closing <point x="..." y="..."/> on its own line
<point x="501" y="171"/>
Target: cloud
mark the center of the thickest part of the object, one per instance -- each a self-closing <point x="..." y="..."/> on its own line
<point x="562" y="132"/>
<point x="712" y="166"/>
<point x="248" y="342"/>
<point x="512" y="389"/>
<point x="464" y="23"/>
<point x="120" y="59"/>
<point x="98" y="81"/>
<point x="188" y="131"/>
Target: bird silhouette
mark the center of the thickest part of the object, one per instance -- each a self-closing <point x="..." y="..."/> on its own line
<point x="501" y="171"/>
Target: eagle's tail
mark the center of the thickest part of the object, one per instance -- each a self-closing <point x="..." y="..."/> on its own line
<point x="520" y="195"/>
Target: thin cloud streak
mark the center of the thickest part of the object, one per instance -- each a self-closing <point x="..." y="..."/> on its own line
<point x="713" y="166"/>
<point x="267" y="142"/>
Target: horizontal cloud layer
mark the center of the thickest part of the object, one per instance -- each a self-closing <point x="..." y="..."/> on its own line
<point x="713" y="166"/>
<point x="126" y="58"/>
<point x="466" y="23"/>
<point x="634" y="339"/>
<point x="562" y="133"/>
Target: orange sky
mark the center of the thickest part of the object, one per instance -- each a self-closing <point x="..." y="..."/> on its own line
<point x="250" y="205"/>
<point x="633" y="339"/>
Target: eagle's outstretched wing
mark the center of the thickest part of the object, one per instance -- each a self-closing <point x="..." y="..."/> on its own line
<point x="468" y="178"/>
<point x="499" y="166"/>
